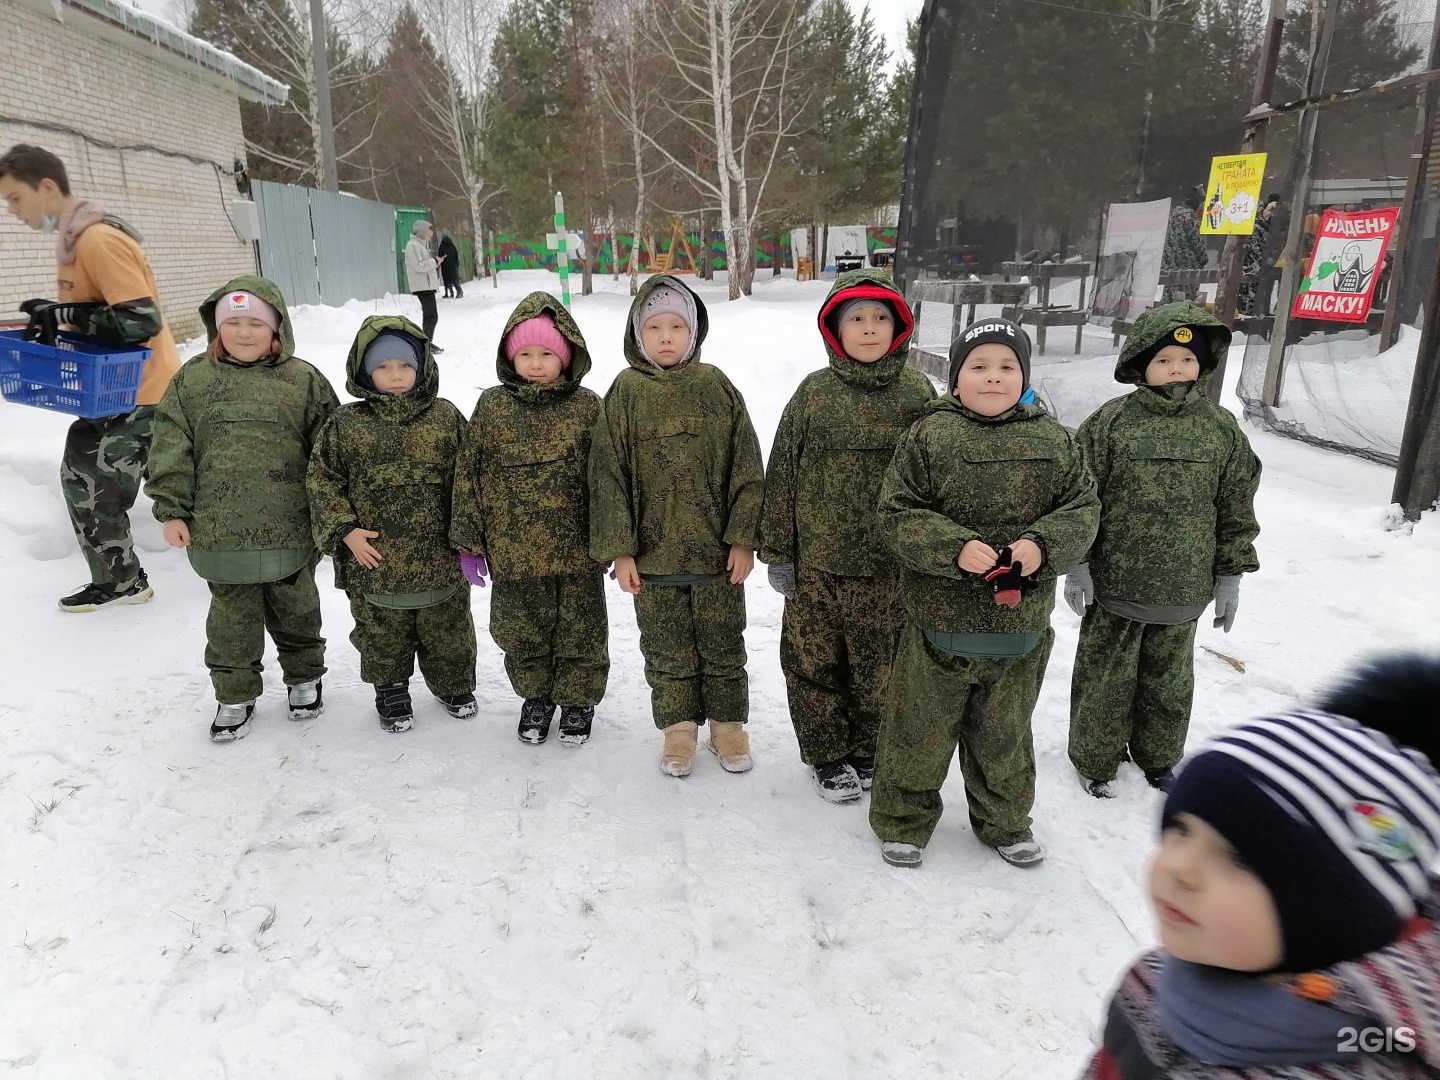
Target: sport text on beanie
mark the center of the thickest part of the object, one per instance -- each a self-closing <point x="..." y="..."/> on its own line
<point x="542" y="331"/>
<point x="1339" y="823"/>
<point x="1001" y="331"/>
<point x="391" y="345"/>
<point x="243" y="305"/>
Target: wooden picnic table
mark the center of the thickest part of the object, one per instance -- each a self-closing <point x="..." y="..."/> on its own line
<point x="960" y="295"/>
<point x="1043" y="274"/>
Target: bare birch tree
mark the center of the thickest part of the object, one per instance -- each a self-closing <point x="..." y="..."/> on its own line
<point x="735" y="69"/>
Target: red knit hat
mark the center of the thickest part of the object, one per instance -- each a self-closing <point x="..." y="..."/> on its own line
<point x="542" y="331"/>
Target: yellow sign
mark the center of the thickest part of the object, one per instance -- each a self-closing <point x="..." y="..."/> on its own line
<point x="1184" y="335"/>
<point x="1232" y="198"/>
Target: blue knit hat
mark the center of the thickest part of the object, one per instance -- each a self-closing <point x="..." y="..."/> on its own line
<point x="1340" y="823"/>
<point x="391" y="345"/>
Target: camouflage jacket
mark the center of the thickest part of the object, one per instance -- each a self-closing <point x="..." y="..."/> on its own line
<point x="528" y="452"/>
<point x="1184" y="246"/>
<point x="232" y="441"/>
<point x="388" y="463"/>
<point x="956" y="477"/>
<point x="1176" y="478"/>
<point x="675" y="472"/>
<point x="835" y="438"/>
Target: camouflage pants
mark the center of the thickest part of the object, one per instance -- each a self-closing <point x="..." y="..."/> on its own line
<point x="100" y="475"/>
<point x="442" y="636"/>
<point x="1133" y="686"/>
<point x="556" y="636"/>
<point x="938" y="702"/>
<point x="235" y="634"/>
<point x="693" y="640"/>
<point x="837" y="642"/>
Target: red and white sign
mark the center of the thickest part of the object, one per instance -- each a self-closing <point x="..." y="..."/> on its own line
<point x="1346" y="265"/>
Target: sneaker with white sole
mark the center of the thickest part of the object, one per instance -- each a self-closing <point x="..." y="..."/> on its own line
<point x="902" y="854"/>
<point x="1024" y="853"/>
<point x="836" y="781"/>
<point x="231" y="722"/>
<point x="94" y="597"/>
<point x="307" y="700"/>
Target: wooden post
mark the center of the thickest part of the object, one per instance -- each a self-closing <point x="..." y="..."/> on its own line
<point x="1302" y="164"/>
<point x="1232" y="257"/>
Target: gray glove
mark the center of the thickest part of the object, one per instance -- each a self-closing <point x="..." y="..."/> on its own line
<point x="1079" y="589"/>
<point x="782" y="579"/>
<point x="1227" y="600"/>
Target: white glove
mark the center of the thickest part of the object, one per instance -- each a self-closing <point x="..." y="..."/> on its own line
<point x="1227" y="600"/>
<point x="1079" y="589"/>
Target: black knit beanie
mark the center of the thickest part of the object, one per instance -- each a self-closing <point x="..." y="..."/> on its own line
<point x="1194" y="338"/>
<point x="988" y="331"/>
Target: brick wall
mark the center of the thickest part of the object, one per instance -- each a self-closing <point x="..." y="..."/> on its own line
<point x="60" y="73"/>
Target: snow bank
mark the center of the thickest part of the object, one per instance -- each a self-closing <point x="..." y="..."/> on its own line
<point x="324" y="899"/>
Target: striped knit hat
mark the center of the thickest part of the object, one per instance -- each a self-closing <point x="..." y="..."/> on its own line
<point x="1340" y="823"/>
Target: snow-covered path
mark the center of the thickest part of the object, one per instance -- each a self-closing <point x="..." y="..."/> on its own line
<point x="326" y="900"/>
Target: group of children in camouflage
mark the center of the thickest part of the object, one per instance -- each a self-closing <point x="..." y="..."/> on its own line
<point x="916" y="538"/>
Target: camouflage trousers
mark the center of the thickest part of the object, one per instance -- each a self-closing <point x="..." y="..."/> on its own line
<point x="837" y="642"/>
<point x="556" y="636"/>
<point x="235" y="631"/>
<point x="938" y="702"/>
<point x="1132" y="687"/>
<point x="442" y="636"/>
<point x="693" y="641"/>
<point x="100" y="475"/>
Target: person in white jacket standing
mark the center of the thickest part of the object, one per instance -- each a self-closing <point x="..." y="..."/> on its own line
<point x="422" y="271"/>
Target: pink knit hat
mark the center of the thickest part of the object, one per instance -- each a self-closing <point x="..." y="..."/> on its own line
<point x="542" y="331"/>
<point x="244" y="305"/>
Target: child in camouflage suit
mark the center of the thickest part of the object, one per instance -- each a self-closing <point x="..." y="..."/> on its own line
<point x="1177" y="479"/>
<point x="676" y="484"/>
<point x="984" y="485"/>
<point x="528" y="454"/>
<point x="233" y="436"/>
<point x="381" y="483"/>
<point x="820" y="534"/>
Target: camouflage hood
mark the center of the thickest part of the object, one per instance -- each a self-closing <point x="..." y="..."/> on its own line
<point x="1156" y="324"/>
<point x="635" y="355"/>
<point x="266" y="290"/>
<point x="533" y="306"/>
<point x="866" y="285"/>
<point x="427" y="380"/>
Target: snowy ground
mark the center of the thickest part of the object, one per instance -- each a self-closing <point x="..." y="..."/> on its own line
<point x="326" y="900"/>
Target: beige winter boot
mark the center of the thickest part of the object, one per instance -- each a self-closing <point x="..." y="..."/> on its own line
<point x="731" y="744"/>
<point x="679" y="752"/>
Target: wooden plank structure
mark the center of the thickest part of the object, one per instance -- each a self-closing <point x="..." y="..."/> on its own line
<point x="1044" y="314"/>
<point x="962" y="296"/>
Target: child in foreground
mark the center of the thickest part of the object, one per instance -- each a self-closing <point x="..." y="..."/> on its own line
<point x="528" y="455"/>
<point x="676" y="484"/>
<point x="821" y="536"/>
<point x="1295" y="893"/>
<point x="381" y="488"/>
<point x="233" y="436"/>
<point x="986" y="500"/>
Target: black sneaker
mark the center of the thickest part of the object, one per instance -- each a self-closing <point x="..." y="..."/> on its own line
<point x="306" y="700"/>
<point x="392" y="702"/>
<point x="460" y="706"/>
<point x="231" y="722"/>
<point x="575" y="723"/>
<point x="836" y="782"/>
<point x="535" y="717"/>
<point x="94" y="597"/>
<point x="1160" y="779"/>
<point x="864" y="769"/>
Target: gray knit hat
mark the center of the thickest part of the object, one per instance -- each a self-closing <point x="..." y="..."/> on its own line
<point x="391" y="345"/>
<point x="420" y="228"/>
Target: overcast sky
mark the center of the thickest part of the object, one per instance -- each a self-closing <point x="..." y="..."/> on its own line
<point x="890" y="17"/>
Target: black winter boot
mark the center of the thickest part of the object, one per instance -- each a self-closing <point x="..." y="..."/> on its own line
<point x="392" y="702"/>
<point x="460" y="706"/>
<point x="535" y="717"/>
<point x="575" y="723"/>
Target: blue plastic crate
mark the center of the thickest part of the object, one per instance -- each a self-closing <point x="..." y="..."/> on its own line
<point x="78" y="375"/>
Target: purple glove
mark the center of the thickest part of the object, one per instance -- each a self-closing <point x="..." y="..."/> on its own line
<point x="614" y="575"/>
<point x="474" y="568"/>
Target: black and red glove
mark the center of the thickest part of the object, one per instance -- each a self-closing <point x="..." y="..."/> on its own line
<point x="1007" y="580"/>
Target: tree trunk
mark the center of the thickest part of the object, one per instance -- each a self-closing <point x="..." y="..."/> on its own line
<point x="824" y="249"/>
<point x="587" y="263"/>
